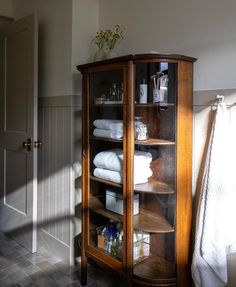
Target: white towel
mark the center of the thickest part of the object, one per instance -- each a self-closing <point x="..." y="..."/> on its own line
<point x="117" y="177"/>
<point x="108" y="134"/>
<point x="105" y="124"/>
<point x="113" y="160"/>
<point x="215" y="236"/>
<point x="113" y="125"/>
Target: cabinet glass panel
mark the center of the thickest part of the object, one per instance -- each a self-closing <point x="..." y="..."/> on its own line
<point x="155" y="171"/>
<point x="106" y="162"/>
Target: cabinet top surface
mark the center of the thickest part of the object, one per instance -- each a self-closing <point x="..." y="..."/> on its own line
<point x="137" y="57"/>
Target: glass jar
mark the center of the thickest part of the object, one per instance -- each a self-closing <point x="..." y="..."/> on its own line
<point x="141" y="129"/>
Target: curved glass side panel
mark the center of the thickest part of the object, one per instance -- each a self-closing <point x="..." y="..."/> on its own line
<point x="106" y="162"/>
<point x="155" y="172"/>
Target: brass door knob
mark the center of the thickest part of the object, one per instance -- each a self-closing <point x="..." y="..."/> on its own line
<point x="28" y="144"/>
<point x="38" y="144"/>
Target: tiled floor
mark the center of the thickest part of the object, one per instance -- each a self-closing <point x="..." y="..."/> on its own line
<point x="19" y="268"/>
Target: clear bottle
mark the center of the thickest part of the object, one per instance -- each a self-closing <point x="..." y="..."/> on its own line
<point x="143" y="93"/>
<point x="114" y="94"/>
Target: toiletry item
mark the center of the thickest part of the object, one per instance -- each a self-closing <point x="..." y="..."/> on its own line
<point x="114" y="94"/>
<point x="164" y="90"/>
<point x="143" y="93"/>
<point x="156" y="95"/>
<point x="141" y="132"/>
<point x="156" y="87"/>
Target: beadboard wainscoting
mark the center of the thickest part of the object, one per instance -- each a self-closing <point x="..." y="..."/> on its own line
<point x="204" y="108"/>
<point x="60" y="132"/>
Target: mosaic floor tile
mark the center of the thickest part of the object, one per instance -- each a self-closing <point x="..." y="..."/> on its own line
<point x="19" y="268"/>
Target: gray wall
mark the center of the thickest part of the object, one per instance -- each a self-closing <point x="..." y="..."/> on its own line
<point x="55" y="43"/>
<point x="6" y="8"/>
<point x="203" y="29"/>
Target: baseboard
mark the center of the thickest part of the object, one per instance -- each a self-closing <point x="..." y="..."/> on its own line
<point x="54" y="246"/>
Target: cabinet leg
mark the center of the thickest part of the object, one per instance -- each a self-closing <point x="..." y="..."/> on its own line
<point x="84" y="270"/>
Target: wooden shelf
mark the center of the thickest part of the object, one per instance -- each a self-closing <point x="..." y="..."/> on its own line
<point x="153" y="105"/>
<point x="105" y="181"/>
<point x="148" y="105"/>
<point x="145" y="220"/>
<point x="148" y="142"/>
<point x="155" y="267"/>
<point x="105" y="139"/>
<point x="152" y="186"/>
<point x="152" y="141"/>
<point x="151" y="222"/>
<point x="109" y="104"/>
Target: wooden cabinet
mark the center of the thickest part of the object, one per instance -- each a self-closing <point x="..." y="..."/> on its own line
<point x="137" y="167"/>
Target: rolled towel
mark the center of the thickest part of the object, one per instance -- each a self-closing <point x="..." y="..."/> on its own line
<point x="113" y="160"/>
<point x="108" y="134"/>
<point x="116" y="176"/>
<point x="77" y="168"/>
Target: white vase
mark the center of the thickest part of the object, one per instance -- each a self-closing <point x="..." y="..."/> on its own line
<point x="99" y="55"/>
<point x="110" y="54"/>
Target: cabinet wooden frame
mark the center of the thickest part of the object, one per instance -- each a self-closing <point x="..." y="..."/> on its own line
<point x="183" y="167"/>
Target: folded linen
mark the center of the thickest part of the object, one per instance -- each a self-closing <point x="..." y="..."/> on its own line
<point x="105" y="124"/>
<point x="108" y="134"/>
<point x="116" y="176"/>
<point x="114" y="125"/>
<point x="113" y="160"/>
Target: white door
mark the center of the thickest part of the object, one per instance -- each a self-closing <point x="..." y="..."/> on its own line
<point x="18" y="130"/>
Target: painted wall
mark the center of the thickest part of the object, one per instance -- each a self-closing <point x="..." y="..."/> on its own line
<point x="55" y="43"/>
<point x="6" y="8"/>
<point x="85" y="24"/>
<point x="201" y="29"/>
<point x="64" y="41"/>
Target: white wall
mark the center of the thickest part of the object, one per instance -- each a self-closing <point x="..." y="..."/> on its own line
<point x="55" y="43"/>
<point x="85" y="24"/>
<point x="66" y="28"/>
<point x="6" y="8"/>
<point x="203" y="29"/>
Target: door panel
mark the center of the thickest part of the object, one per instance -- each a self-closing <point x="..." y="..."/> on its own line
<point x="18" y="122"/>
<point x="15" y="191"/>
<point x="16" y="72"/>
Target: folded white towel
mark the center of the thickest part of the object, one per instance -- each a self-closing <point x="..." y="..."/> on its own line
<point x="105" y="124"/>
<point x="113" y="160"/>
<point x="113" y="125"/>
<point x="108" y="134"/>
<point x="116" y="176"/>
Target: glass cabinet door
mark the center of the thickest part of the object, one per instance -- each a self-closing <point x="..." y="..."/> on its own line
<point x="154" y="166"/>
<point x="106" y="162"/>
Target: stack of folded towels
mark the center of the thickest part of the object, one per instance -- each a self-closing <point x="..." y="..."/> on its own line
<point x="109" y="166"/>
<point x="112" y="129"/>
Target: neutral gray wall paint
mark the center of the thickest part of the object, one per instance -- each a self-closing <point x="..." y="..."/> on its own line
<point x="6" y="8"/>
<point x="55" y="43"/>
<point x="202" y="29"/>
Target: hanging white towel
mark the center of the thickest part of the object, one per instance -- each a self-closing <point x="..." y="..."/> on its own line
<point x="215" y="236"/>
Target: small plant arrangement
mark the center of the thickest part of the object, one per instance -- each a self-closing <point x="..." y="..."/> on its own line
<point x="106" y="40"/>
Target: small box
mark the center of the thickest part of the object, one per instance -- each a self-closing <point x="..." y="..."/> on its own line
<point x="114" y="202"/>
<point x="141" y="248"/>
